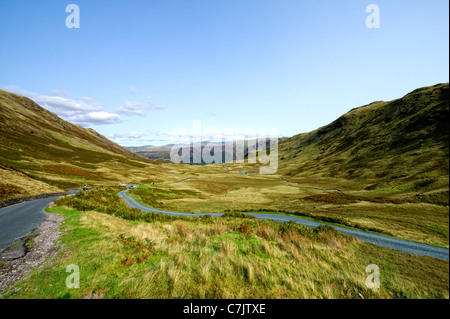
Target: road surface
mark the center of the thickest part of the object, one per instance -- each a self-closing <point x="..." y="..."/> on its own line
<point x="380" y="240"/>
<point x="20" y="219"/>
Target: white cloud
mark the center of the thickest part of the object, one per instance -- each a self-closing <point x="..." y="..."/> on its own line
<point x="211" y="134"/>
<point x="132" y="89"/>
<point x="158" y="106"/>
<point x="84" y="111"/>
<point x="62" y="104"/>
<point x="134" y="135"/>
<point x="133" y="108"/>
<point x="95" y="118"/>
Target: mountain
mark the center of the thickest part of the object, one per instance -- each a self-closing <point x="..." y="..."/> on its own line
<point x="145" y="148"/>
<point x="383" y="147"/>
<point x="400" y="145"/>
<point x="162" y="153"/>
<point x="40" y="152"/>
<point x="159" y="153"/>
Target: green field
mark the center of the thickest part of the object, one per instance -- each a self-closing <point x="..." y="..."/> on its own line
<point x="219" y="190"/>
<point x="227" y="257"/>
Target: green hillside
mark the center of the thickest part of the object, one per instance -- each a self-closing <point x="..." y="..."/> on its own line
<point x="39" y="152"/>
<point x="396" y="146"/>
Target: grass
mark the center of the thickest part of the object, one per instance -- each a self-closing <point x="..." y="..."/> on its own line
<point x="387" y="187"/>
<point x="8" y="190"/>
<point x="227" y="257"/>
<point x="216" y="190"/>
<point x="15" y="184"/>
<point x="106" y="201"/>
<point x="382" y="167"/>
<point x="149" y="195"/>
<point x="155" y="195"/>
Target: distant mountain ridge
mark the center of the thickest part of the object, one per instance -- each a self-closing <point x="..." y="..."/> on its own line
<point x="162" y="153"/>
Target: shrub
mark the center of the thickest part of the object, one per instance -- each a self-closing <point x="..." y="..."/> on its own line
<point x="237" y="215"/>
<point x="136" y="251"/>
<point x="7" y="191"/>
<point x="293" y="227"/>
<point x="107" y="201"/>
<point x="244" y="228"/>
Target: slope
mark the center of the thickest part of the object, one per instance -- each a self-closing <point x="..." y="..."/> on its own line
<point x="396" y="146"/>
<point x="39" y="152"/>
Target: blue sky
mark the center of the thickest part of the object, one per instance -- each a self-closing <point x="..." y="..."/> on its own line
<point x="138" y="71"/>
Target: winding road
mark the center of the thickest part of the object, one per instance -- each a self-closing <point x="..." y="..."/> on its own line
<point x="20" y="219"/>
<point x="380" y="240"/>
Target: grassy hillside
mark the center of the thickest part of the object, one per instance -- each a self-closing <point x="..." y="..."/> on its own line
<point x="396" y="146"/>
<point x="383" y="166"/>
<point x="144" y="255"/>
<point x="220" y="190"/>
<point x="39" y="152"/>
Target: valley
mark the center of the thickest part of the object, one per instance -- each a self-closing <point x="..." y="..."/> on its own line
<point x="381" y="168"/>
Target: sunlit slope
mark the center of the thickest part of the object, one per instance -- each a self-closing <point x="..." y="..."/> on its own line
<point x="40" y="151"/>
<point x="398" y="145"/>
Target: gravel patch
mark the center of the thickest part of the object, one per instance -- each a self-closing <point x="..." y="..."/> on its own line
<point x="31" y="252"/>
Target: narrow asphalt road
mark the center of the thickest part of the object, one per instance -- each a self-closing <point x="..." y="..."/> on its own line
<point x="20" y="219"/>
<point x="380" y="240"/>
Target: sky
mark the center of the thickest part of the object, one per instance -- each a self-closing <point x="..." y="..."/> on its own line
<point x="141" y="72"/>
